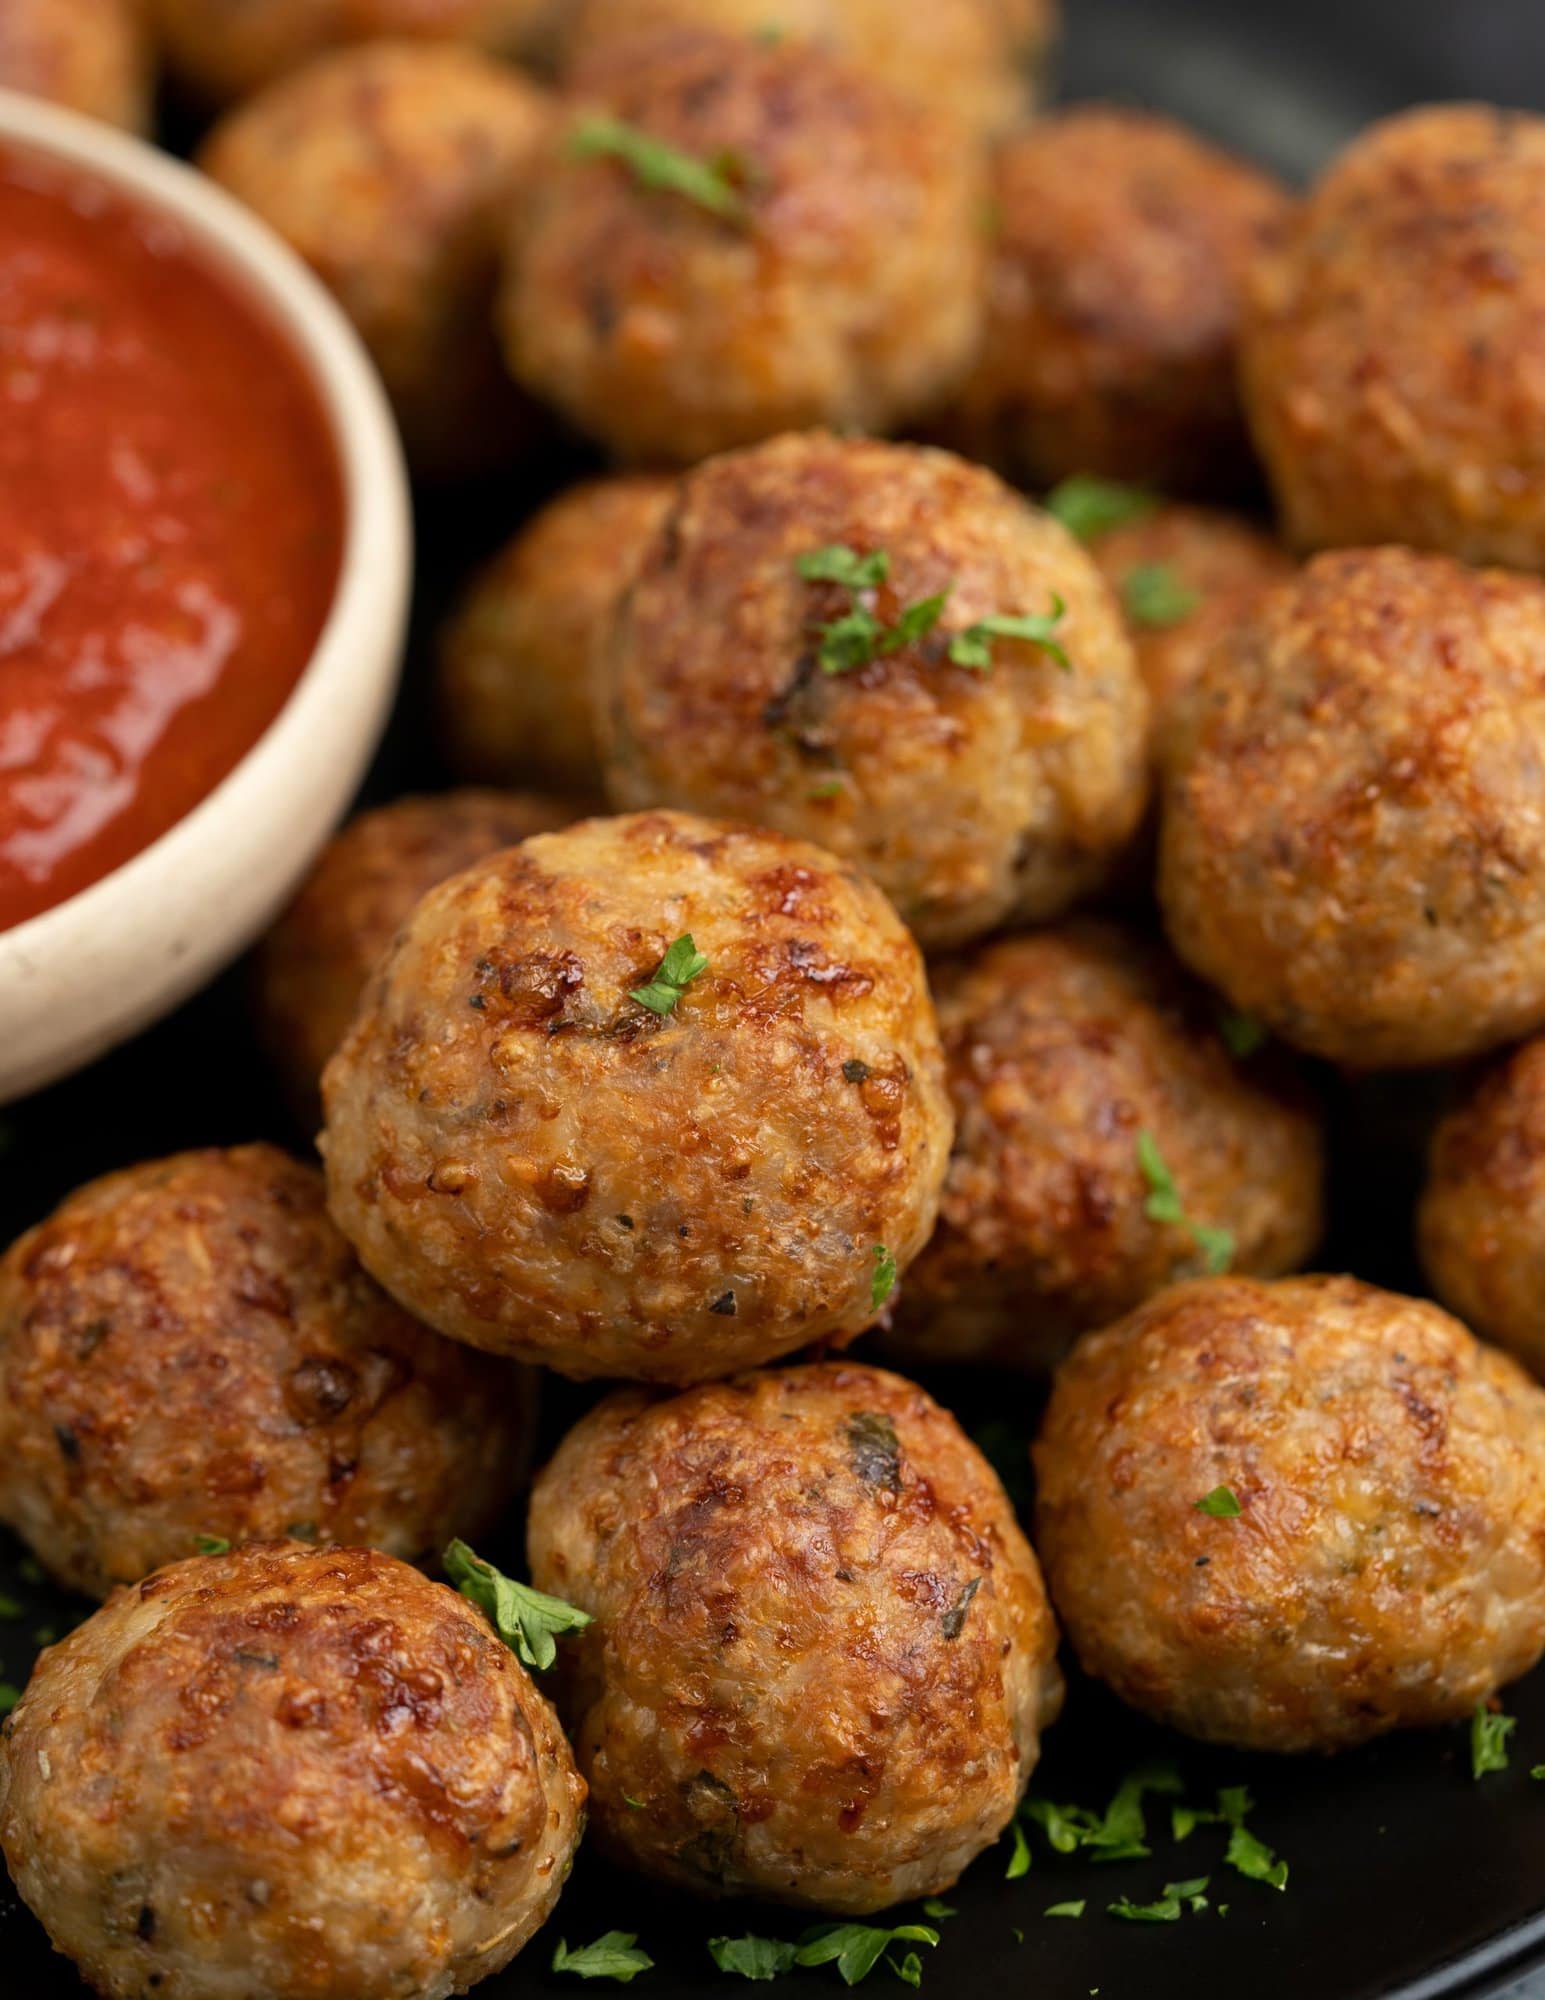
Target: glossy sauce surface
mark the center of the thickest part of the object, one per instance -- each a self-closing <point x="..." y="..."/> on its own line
<point x="171" y="523"/>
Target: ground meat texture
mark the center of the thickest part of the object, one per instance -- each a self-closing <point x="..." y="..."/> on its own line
<point x="286" y="1771"/>
<point x="845" y="288"/>
<point x="1063" y="1049"/>
<point x="1114" y="301"/>
<point x="534" y="1161"/>
<point x="822" y="1657"/>
<point x="982" y="61"/>
<point x="313" y="965"/>
<point x="972" y="795"/>
<point x="190" y="1348"/>
<point x="226" y="49"/>
<point x="520" y="655"/>
<point x="1351" y="846"/>
<point x="1387" y="1566"/>
<point x="1481" y="1224"/>
<point x="89" y="55"/>
<point x="1393" y="353"/>
<point x="391" y="170"/>
<point x="1182" y="576"/>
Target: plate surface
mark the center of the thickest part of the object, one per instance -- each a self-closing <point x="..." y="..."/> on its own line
<point x="1407" y="1877"/>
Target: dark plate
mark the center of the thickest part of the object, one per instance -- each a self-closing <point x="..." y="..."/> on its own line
<point x="1408" y="1877"/>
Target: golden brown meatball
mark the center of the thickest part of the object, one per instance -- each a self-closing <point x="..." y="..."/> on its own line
<point x="538" y="1161"/>
<point x="89" y="55"/>
<point x="1063" y="1051"/>
<point x="226" y="49"/>
<point x="1393" y="353"/>
<point x="822" y="1656"/>
<point x="826" y="267"/>
<point x="1113" y="304"/>
<point x="982" y="61"/>
<point x="1183" y="575"/>
<point x="972" y="793"/>
<point x="189" y="1348"/>
<point x="1482" y="1218"/>
<point x="391" y="170"/>
<point x="1351" y="844"/>
<point x="286" y="1771"/>
<point x="313" y="965"/>
<point x="518" y="659"/>
<point x="1386" y="1566"/>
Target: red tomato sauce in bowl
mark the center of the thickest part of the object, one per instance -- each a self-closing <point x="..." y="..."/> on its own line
<point x="171" y="528"/>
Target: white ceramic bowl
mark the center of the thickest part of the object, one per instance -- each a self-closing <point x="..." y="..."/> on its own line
<point x="104" y="964"/>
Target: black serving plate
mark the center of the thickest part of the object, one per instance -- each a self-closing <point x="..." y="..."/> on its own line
<point x="1408" y="1878"/>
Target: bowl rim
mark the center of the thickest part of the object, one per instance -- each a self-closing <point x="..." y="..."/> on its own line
<point x="372" y="590"/>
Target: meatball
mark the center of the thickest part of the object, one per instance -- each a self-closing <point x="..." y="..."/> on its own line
<point x="391" y="169"/>
<point x="654" y="1097"/>
<point x="1481" y="1223"/>
<point x="1183" y="576"/>
<point x="1351" y="845"/>
<point x="732" y="238"/>
<point x="313" y="965"/>
<point x="226" y="49"/>
<point x="983" y="61"/>
<point x="1393" y="351"/>
<point x="89" y="55"/>
<point x="1063" y="1051"/>
<point x="518" y="659"/>
<point x="287" y="1771"/>
<point x="822" y="1656"/>
<point x="745" y="678"/>
<point x="1385" y="1567"/>
<point x="189" y="1348"/>
<point x="1113" y="304"/>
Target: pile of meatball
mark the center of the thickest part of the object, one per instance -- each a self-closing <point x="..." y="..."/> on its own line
<point x="928" y="831"/>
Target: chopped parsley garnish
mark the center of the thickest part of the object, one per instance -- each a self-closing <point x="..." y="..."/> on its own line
<point x="1154" y="594"/>
<point x="9" y="1606"/>
<point x="1222" y="1503"/>
<point x="1488" y="1740"/>
<point x="883" y="1282"/>
<point x="1090" y="507"/>
<point x="9" y="1696"/>
<point x="212" y="1545"/>
<point x="856" y="1949"/>
<point x="753" y="1957"/>
<point x="859" y="637"/>
<point x="659" y="168"/>
<point x="935" y="1907"/>
<point x="973" y="647"/>
<point x="675" y="973"/>
<point x="1066" y="1909"/>
<point x="1019" y="1859"/>
<point x="1242" y="1033"/>
<point x="1247" y="1855"/>
<point x="526" y="1620"/>
<point x="837" y="563"/>
<point x="1165" y="1205"/>
<point x="614" y="1956"/>
<point x="1120" y="1833"/>
<point x="632" y="1804"/>
<point x="1176" y="1897"/>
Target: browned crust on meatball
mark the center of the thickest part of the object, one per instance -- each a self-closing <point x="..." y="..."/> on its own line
<point x="1393" y="354"/>
<point x="1351" y="843"/>
<point x="287" y="1770"/>
<point x="391" y="169"/>
<point x="822" y="1655"/>
<point x="848" y="293"/>
<point x="312" y="967"/>
<point x="190" y="1348"/>
<point x="89" y="55"/>
<point x="520" y="656"/>
<point x="971" y="796"/>
<point x="1221" y="562"/>
<point x="1481" y="1223"/>
<point x="983" y="62"/>
<point x="1387" y="1567"/>
<point x="1113" y="303"/>
<point x="536" y="1163"/>
<point x="1062" y="1050"/>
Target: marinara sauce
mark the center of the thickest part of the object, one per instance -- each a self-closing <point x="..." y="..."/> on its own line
<point x="171" y="522"/>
